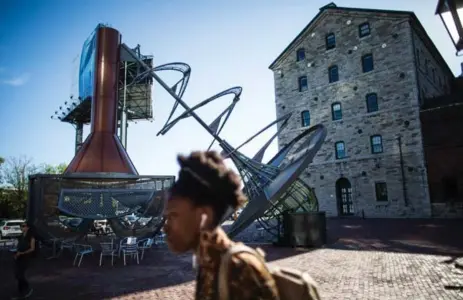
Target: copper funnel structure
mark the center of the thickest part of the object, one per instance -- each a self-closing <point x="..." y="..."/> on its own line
<point x="102" y="150"/>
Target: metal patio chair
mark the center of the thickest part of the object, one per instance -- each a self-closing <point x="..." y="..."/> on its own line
<point x="108" y="249"/>
<point x="145" y="244"/>
<point x="67" y="244"/>
<point x="124" y="242"/>
<point x="81" y="250"/>
<point x="130" y="250"/>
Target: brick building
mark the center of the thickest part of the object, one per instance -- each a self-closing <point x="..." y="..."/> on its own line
<point x="364" y="74"/>
<point x="441" y="123"/>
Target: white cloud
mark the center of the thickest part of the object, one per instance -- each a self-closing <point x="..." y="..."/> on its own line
<point x="17" y="81"/>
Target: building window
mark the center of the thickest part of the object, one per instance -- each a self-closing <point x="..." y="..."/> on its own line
<point x="367" y="63"/>
<point x="426" y="63"/>
<point x="305" y="118"/>
<point x="364" y="29"/>
<point x="300" y="54"/>
<point x="418" y="57"/>
<point x="381" y="191"/>
<point x="433" y="74"/>
<point x="330" y="41"/>
<point x="336" y="111"/>
<point x="303" y="84"/>
<point x="372" y="102"/>
<point x="376" y="144"/>
<point x="340" y="150"/>
<point x="333" y="73"/>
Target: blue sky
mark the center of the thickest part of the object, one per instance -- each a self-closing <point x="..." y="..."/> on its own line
<point x="227" y="43"/>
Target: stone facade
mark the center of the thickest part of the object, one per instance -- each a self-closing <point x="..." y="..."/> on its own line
<point x="395" y="41"/>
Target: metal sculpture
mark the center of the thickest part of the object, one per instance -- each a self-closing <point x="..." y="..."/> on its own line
<point x="273" y="187"/>
<point x="102" y="183"/>
<point x="102" y="151"/>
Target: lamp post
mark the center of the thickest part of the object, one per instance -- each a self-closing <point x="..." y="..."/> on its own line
<point x="451" y="14"/>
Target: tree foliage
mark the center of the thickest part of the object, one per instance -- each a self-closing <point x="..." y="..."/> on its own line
<point x="14" y="183"/>
<point x="51" y="169"/>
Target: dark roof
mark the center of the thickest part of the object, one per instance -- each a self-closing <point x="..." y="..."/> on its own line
<point x="333" y="6"/>
<point x="442" y="101"/>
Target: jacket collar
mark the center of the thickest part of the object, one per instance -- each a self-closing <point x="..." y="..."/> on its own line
<point x="212" y="244"/>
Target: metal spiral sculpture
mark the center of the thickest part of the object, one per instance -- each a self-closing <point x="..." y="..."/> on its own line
<point x="273" y="187"/>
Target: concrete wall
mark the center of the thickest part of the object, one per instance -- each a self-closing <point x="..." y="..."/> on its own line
<point x="393" y="79"/>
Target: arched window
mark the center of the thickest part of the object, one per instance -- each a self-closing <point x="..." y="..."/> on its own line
<point x="367" y="63"/>
<point x="340" y="150"/>
<point x="305" y="118"/>
<point x="372" y="102"/>
<point x="300" y="54"/>
<point x="303" y="86"/>
<point x="333" y="74"/>
<point x="336" y="111"/>
<point x="376" y="144"/>
<point x="364" y="29"/>
<point x="330" y="41"/>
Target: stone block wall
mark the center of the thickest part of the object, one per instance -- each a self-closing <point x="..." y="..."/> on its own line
<point x="434" y="79"/>
<point x="393" y="80"/>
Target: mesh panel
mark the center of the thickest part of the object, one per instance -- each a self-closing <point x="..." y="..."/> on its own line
<point x="275" y="187"/>
<point x="49" y="212"/>
<point x="103" y="203"/>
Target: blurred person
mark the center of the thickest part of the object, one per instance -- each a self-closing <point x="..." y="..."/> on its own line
<point x="23" y="256"/>
<point x="201" y="197"/>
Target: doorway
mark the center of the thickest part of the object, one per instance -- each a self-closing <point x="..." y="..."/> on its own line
<point x="344" y="197"/>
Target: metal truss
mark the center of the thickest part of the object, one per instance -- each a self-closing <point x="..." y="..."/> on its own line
<point x="271" y="187"/>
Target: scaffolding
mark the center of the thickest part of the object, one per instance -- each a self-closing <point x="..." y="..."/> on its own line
<point x="135" y="97"/>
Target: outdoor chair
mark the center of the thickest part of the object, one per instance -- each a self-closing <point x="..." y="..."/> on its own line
<point x="130" y="250"/>
<point x="7" y="246"/>
<point x="159" y="238"/>
<point x="66" y="244"/>
<point x="108" y="249"/>
<point x="124" y="242"/>
<point x="145" y="244"/>
<point x="260" y="229"/>
<point x="81" y="250"/>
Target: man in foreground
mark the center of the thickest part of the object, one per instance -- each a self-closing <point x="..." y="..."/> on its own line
<point x="205" y="190"/>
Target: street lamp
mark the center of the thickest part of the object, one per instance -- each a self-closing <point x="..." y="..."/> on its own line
<point x="451" y="14"/>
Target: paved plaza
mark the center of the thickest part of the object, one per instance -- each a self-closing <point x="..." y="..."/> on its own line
<point x="364" y="259"/>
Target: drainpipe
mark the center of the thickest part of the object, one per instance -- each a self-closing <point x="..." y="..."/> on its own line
<point x="402" y="169"/>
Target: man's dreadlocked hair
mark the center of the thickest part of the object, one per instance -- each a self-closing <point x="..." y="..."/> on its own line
<point x="206" y="180"/>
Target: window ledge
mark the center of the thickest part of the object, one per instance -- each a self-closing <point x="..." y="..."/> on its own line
<point x="365" y="37"/>
<point x="382" y="203"/>
<point x="372" y="113"/>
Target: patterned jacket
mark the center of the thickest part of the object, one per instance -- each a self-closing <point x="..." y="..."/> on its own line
<point x="248" y="277"/>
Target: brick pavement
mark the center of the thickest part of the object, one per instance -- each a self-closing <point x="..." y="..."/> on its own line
<point x="350" y="267"/>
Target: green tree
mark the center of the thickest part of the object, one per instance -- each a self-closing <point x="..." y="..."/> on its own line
<point x="15" y="173"/>
<point x="2" y="160"/>
<point x="51" y="169"/>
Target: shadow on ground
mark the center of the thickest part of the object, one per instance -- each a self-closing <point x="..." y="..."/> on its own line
<point x="57" y="279"/>
<point x="428" y="236"/>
